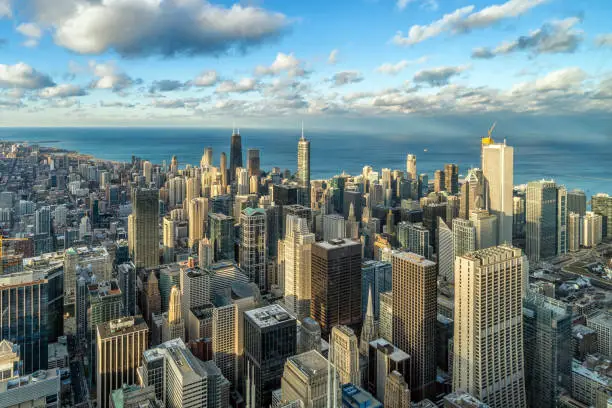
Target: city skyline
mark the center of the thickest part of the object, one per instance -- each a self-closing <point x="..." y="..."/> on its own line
<point x="466" y="59"/>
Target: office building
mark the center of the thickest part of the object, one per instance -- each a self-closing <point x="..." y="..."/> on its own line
<point x="169" y="238"/>
<point x="205" y="253"/>
<point x="589" y="379"/>
<point x="152" y="299"/>
<point x="462" y="399"/>
<point x="309" y="336"/>
<point x="126" y="274"/>
<point x="592" y="229"/>
<point x="198" y="219"/>
<point x="548" y="356"/>
<point x="498" y="172"/>
<point x="294" y="265"/>
<point x="383" y="359"/>
<point x="306" y="378"/>
<point x="269" y="339"/>
<point x="451" y="178"/>
<point x="303" y="170"/>
<point x="134" y="396"/>
<point x="601" y="204"/>
<point x="601" y="323"/>
<point x="253" y="250"/>
<point x="354" y="396"/>
<point x="344" y="354"/>
<point x="414" y="237"/>
<point x="143" y="228"/>
<point x="385" y="321"/>
<point x="574" y="232"/>
<point x="446" y="251"/>
<point x="464" y="237"/>
<point x="397" y="392"/>
<point x="336" y="283"/>
<point x="411" y="167"/>
<point x="576" y="202"/>
<point x="414" y="318"/>
<point x="518" y="217"/>
<point x="472" y="193"/>
<point x="96" y="261"/>
<point x="334" y="227"/>
<point x="352" y="198"/>
<point x="235" y="154"/>
<point x="120" y="344"/>
<point x="243" y="182"/>
<point x="221" y="235"/>
<point x="375" y="276"/>
<point x="253" y="162"/>
<point x="197" y="290"/>
<point x="173" y="325"/>
<point x="43" y="221"/>
<point x="439" y="182"/>
<point x="545" y="220"/>
<point x="485" y="229"/>
<point x="488" y="292"/>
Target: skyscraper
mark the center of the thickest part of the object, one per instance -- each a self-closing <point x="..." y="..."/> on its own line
<point x="169" y="238"/>
<point x="269" y="339"/>
<point x="576" y="202"/>
<point x="336" y="283"/>
<point x="253" y="162"/>
<point x="414" y="318"/>
<point x="235" y="154"/>
<point x="223" y="171"/>
<point x="294" y="253"/>
<point x="592" y="229"/>
<point x="546" y="220"/>
<point x="143" y="228"/>
<point x="344" y="354"/>
<point x="489" y="326"/>
<point x="207" y="157"/>
<point x="253" y="249"/>
<point x="306" y="379"/>
<point x="439" y="181"/>
<point x="43" y="221"/>
<point x="548" y="355"/>
<point x="498" y="172"/>
<point x="221" y="235"/>
<point x="303" y="170"/>
<point x="472" y="191"/>
<point x="411" y="169"/>
<point x="451" y="178"/>
<point x="397" y="392"/>
<point x="198" y="219"/>
<point x="385" y="321"/>
<point x="173" y="325"/>
<point x="574" y="231"/>
<point x="120" y="346"/>
<point x="375" y="275"/>
<point x="446" y="251"/>
<point x="464" y="237"/>
<point x="485" y="228"/>
<point x="602" y="204"/>
<point x="369" y="330"/>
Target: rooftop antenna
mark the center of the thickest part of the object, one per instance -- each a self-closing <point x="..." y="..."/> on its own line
<point x="302" y="130"/>
<point x="233" y="127"/>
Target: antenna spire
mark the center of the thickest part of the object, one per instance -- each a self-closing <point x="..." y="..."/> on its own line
<point x="302" y="130"/>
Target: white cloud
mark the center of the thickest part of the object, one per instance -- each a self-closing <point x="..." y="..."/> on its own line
<point x="394" y="69"/>
<point x="5" y="8"/>
<point x="61" y="91"/>
<point x="176" y="103"/>
<point x="439" y="76"/>
<point x="32" y="31"/>
<point x="555" y="37"/>
<point x="109" y="77"/>
<point x="283" y="63"/>
<point x="154" y="27"/>
<point x="428" y="4"/>
<point x="23" y="76"/>
<point x="242" y="86"/>
<point x="560" y="80"/>
<point x="346" y="77"/>
<point x="465" y="19"/>
<point x="604" y="40"/>
<point x="167" y="85"/>
<point x="206" y="78"/>
<point x="333" y="57"/>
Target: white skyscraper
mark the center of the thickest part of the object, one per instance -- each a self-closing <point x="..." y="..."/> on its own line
<point x="498" y="171"/>
<point x="303" y="170"/>
<point x="294" y="264"/>
<point x="411" y="169"/>
<point x="344" y="354"/>
<point x="488" y="340"/>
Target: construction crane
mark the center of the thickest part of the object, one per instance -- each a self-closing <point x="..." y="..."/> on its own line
<point x="489" y="140"/>
<point x="2" y="240"/>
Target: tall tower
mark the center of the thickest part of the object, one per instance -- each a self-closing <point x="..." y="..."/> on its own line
<point x="253" y="250"/>
<point x="306" y="379"/>
<point x="397" y="392"/>
<point x="497" y="170"/>
<point x="411" y="169"/>
<point x="344" y="354"/>
<point x="223" y="171"/>
<point x="207" y="157"/>
<point x="451" y="178"/>
<point x="173" y="325"/>
<point x="489" y="326"/>
<point x="235" y="154"/>
<point x="294" y="254"/>
<point x="253" y="162"/>
<point x="120" y="345"/>
<point x="143" y="228"/>
<point x="414" y="318"/>
<point x="303" y="170"/>
<point x="198" y="219"/>
<point x="541" y="209"/>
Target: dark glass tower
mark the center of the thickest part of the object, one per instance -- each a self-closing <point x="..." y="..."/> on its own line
<point x="235" y="154"/>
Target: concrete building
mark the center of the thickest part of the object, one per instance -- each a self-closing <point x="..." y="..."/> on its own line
<point x="294" y="265"/>
<point x="173" y="325"/>
<point x="602" y="324"/>
<point x="574" y="232"/>
<point x="253" y="249"/>
<point x="411" y="167"/>
<point x="414" y="318"/>
<point x="344" y="354"/>
<point x="198" y="219"/>
<point x="464" y="237"/>
<point x="385" y="320"/>
<point x="221" y="235"/>
<point x="383" y="359"/>
<point x="592" y="230"/>
<point x="95" y="261"/>
<point x="488" y="292"/>
<point x="472" y="193"/>
<point x="545" y="220"/>
<point x="120" y="344"/>
<point x="451" y="178"/>
<point x="354" y="396"/>
<point x="143" y="228"/>
<point x="576" y="202"/>
<point x="309" y="378"/>
<point x="446" y="251"/>
<point x="485" y="227"/>
<point x="309" y="336"/>
<point x="134" y="396"/>
<point x="397" y="392"/>
<point x="375" y="276"/>
<point x="498" y="172"/>
<point x="588" y="378"/>
<point x="334" y="227"/>
<point x="169" y="238"/>
<point x="303" y="170"/>
<point x="601" y="204"/>
<point x="462" y="399"/>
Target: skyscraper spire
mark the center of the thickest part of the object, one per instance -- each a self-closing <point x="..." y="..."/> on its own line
<point x="368" y="332"/>
<point x="302" y="130"/>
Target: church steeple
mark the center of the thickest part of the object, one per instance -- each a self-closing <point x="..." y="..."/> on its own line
<point x="368" y="332"/>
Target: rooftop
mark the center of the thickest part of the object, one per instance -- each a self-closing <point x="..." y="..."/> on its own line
<point x="122" y="326"/>
<point x="414" y="258"/>
<point x="393" y="352"/>
<point x="337" y="243"/>
<point x="464" y="400"/>
<point x="269" y="315"/>
<point x="310" y="363"/>
<point x="580" y="369"/>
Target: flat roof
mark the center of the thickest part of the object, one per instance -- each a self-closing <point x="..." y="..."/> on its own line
<point x="310" y="362"/>
<point x="269" y="315"/>
<point x="414" y="258"/>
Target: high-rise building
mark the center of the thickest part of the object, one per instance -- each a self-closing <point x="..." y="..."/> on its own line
<point x="574" y="231"/>
<point x="414" y="318"/>
<point x="576" y="202"/>
<point x="235" y="154"/>
<point x="592" y="229"/>
<point x="548" y="356"/>
<point x="221" y="235"/>
<point x="336" y="283"/>
<point x="369" y="330"/>
<point x="375" y="276"/>
<point x="120" y="344"/>
<point x="294" y="257"/>
<point x="464" y="237"/>
<point x="411" y="169"/>
<point x="414" y="237"/>
<point x="169" y="276"/>
<point x="485" y="229"/>
<point x="205" y="253"/>
<point x="177" y="191"/>
<point x="134" y="396"/>
<point x="518" y="217"/>
<point x="193" y="189"/>
<point x="546" y="217"/>
<point x="462" y="399"/>
<point x="196" y="289"/>
<point x="383" y="359"/>
<point x="253" y="249"/>
<point x="344" y="354"/>
<point x="243" y="182"/>
<point x="253" y="162"/>
<point x="207" y="157"/>
<point x="472" y="193"/>
<point x="602" y="324"/>
<point x="43" y="221"/>
<point x="385" y="321"/>
<point x="269" y="339"/>
<point x="152" y="299"/>
<point x="451" y="178"/>
<point x="489" y="326"/>
<point x="397" y="392"/>
<point x="143" y="228"/>
<point x="303" y="170"/>
<point x="126" y="276"/>
<point x="169" y="238"/>
<point x="334" y="227"/>
<point x="223" y="171"/>
<point x="173" y="325"/>
<point x="306" y="378"/>
<point x="602" y="204"/>
<point x="439" y="181"/>
<point x="498" y="173"/>
<point x="309" y="336"/>
<point x="198" y="219"/>
<point x="446" y="251"/>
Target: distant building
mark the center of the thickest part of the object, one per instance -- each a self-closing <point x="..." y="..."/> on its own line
<point x="253" y="249"/>
<point x="602" y="324"/>
<point x="354" y="396"/>
<point x="143" y="228"/>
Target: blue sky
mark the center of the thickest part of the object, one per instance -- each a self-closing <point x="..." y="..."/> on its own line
<point x="273" y="63"/>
